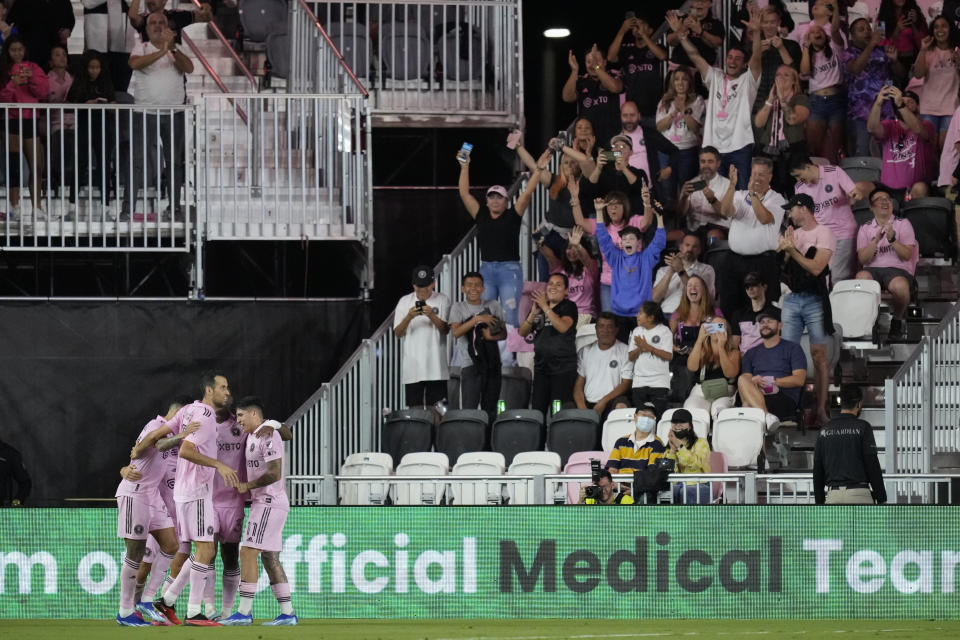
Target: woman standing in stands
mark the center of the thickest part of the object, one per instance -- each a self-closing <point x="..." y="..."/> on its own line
<point x="553" y="321"/>
<point x="614" y="212"/>
<point x="822" y="62"/>
<point x="779" y="126"/>
<point x="905" y="27"/>
<point x="93" y="86"/>
<point x="498" y="237"/>
<point x="23" y="82"/>
<point x="715" y="365"/>
<point x="680" y="119"/>
<point x="582" y="271"/>
<point x="696" y="308"/>
<point x="937" y="63"/>
<point x="583" y="147"/>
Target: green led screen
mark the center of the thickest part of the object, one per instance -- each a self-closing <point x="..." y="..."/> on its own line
<point x="628" y="562"/>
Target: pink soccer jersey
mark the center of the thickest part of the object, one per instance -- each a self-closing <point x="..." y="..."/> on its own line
<point x="195" y="481"/>
<point x="260" y="451"/>
<point x="150" y="464"/>
<point x="230" y="444"/>
<point x="832" y="208"/>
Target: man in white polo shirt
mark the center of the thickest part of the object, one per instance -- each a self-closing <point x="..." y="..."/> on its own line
<point x="833" y="191"/>
<point x="728" y="124"/>
<point x="700" y="199"/>
<point x="159" y="79"/>
<point x="671" y="281"/>
<point x="755" y="216"/>
<point x="604" y="369"/>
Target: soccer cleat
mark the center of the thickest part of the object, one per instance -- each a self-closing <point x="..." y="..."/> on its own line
<point x="169" y="611"/>
<point x="237" y="620"/>
<point x="149" y="612"/>
<point x="283" y="620"/>
<point x="200" y="620"/>
<point x="132" y="620"/>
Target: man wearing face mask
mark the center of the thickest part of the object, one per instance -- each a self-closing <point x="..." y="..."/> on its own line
<point x="640" y="449"/>
<point x="846" y="469"/>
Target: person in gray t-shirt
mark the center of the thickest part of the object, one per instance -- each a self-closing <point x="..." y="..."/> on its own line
<point x="478" y="325"/>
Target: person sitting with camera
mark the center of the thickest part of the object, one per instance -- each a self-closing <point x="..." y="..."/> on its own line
<point x="691" y="454"/>
<point x="604" y="491"/>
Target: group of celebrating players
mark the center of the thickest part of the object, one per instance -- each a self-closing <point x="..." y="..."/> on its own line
<point x="190" y="473"/>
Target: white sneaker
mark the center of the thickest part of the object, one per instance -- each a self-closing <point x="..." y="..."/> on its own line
<point x="773" y="423"/>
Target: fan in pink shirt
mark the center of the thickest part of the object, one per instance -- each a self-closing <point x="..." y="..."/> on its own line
<point x="908" y="142"/>
<point x="193" y="493"/>
<point x="888" y="250"/>
<point x="833" y="191"/>
<point x="263" y="533"/>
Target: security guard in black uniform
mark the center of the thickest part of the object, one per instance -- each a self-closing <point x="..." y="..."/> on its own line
<point x="845" y="463"/>
<point x="12" y="470"/>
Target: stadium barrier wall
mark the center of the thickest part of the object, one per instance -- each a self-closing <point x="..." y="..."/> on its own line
<point x="658" y="562"/>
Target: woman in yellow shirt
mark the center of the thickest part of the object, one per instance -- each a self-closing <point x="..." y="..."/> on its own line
<point x="692" y="455"/>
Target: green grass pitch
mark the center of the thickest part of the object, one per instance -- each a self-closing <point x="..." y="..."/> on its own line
<point x="498" y="630"/>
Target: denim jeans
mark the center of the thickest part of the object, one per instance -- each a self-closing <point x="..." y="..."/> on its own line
<point x="686" y="167"/>
<point x="741" y="159"/>
<point x="605" y="294"/>
<point x="803" y="310"/>
<point x="858" y="138"/>
<point x="699" y="493"/>
<point x="503" y="281"/>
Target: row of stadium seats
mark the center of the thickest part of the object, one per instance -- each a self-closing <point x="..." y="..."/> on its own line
<point x="472" y="491"/>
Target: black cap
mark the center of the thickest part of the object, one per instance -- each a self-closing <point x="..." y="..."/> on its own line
<point x="681" y="416"/>
<point x="752" y="278"/>
<point x="800" y="200"/>
<point x="769" y="312"/>
<point x="911" y="94"/>
<point x="422" y="275"/>
<point x="649" y="406"/>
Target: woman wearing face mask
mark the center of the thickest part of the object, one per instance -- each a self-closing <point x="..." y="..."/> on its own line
<point x="651" y="349"/>
<point x="642" y="447"/>
<point x="692" y="455"/>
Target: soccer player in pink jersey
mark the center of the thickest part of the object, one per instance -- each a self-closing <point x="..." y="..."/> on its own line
<point x="263" y="534"/>
<point x="193" y="493"/>
<point x="141" y="513"/>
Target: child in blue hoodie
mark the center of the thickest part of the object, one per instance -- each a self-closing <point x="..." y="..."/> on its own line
<point x="632" y="282"/>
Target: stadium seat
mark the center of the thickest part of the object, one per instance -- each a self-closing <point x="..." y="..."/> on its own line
<point x="260" y="18"/>
<point x="365" y="464"/>
<point x="406" y="431"/>
<point x="701" y="423"/>
<point x="717" y="253"/>
<point x="855" y="305"/>
<point x="478" y="463"/>
<point x="515" y="386"/>
<point x="462" y="430"/>
<point x="619" y="423"/>
<point x="862" y="168"/>
<point x="461" y="53"/>
<point x="534" y="463"/>
<point x="278" y="53"/>
<point x="405" y="50"/>
<point x="861" y="212"/>
<point x="738" y="435"/>
<point x="933" y="226"/>
<point x="351" y="39"/>
<point x="718" y="464"/>
<point x="579" y="463"/>
<point x="517" y="430"/>
<point x="572" y="430"/>
<point x="424" y="463"/>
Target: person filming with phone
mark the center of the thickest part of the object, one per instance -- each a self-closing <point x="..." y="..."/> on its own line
<point x="700" y="200"/>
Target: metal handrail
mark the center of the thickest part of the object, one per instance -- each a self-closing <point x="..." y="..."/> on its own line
<point x="213" y="74"/>
<point x="233" y="54"/>
<point x="336" y="51"/>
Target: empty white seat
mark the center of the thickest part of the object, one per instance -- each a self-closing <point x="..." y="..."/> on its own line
<point x="421" y="464"/>
<point x="619" y="423"/>
<point x="855" y="305"/>
<point x="478" y="463"/>
<point x="738" y="435"/>
<point x="534" y="463"/>
<point x="365" y="464"/>
<point x="701" y="423"/>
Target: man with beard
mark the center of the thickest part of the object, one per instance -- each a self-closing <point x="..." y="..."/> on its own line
<point x="773" y="372"/>
<point x="671" y="280"/>
<point x="700" y="203"/>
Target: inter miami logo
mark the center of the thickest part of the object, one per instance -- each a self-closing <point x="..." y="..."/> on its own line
<point x="252" y="447"/>
<point x="614" y="364"/>
<point x="268" y="500"/>
<point x="421" y="274"/>
<point x="235" y="430"/>
<point x="655" y="339"/>
<point x="270" y="444"/>
<point x="138" y="529"/>
<point x="209" y="531"/>
<point x="828" y="188"/>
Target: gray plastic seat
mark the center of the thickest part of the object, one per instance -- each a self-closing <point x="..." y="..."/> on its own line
<point x="572" y="430"/>
<point x="515" y="431"/>
<point x="462" y="430"/>
<point x="260" y="18"/>
<point x="407" y="431"/>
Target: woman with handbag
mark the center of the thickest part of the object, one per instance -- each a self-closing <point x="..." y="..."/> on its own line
<point x="715" y="365"/>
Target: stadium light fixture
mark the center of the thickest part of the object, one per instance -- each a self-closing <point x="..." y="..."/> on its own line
<point x="556" y="32"/>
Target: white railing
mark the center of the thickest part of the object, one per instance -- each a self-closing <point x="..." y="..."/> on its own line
<point x="316" y="64"/>
<point x="298" y="166"/>
<point x="458" y="59"/>
<point x="106" y="177"/>
<point x="548" y="489"/>
<point x="922" y="401"/>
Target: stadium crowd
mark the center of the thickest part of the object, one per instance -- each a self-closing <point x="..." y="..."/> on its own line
<point x="739" y="157"/>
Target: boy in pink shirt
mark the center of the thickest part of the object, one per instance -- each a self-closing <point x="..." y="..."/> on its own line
<point x="263" y="534"/>
<point x="807" y="248"/>
<point x="887" y="249"/>
<point x="833" y="191"/>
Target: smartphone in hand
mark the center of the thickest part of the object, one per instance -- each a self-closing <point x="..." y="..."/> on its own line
<point x="464" y="152"/>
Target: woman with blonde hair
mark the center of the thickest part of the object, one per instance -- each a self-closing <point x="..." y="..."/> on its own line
<point x="779" y="125"/>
